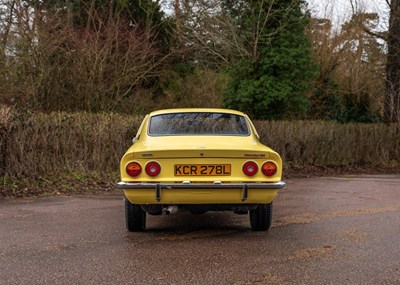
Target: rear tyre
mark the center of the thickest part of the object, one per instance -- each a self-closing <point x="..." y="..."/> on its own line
<point x="135" y="217"/>
<point x="261" y="217"/>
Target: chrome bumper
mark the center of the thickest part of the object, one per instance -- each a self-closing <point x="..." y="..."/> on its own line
<point x="187" y="185"/>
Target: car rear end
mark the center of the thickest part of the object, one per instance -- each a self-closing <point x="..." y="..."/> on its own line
<point x="203" y="171"/>
<point x="165" y="172"/>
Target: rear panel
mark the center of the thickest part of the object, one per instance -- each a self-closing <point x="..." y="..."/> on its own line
<point x="178" y="170"/>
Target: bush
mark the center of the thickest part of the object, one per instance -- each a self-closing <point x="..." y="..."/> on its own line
<point x="60" y="143"/>
<point x="48" y="145"/>
<point x="331" y="144"/>
<point x="200" y="88"/>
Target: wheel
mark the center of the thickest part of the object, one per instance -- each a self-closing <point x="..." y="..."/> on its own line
<point x="261" y="217"/>
<point x="135" y="217"/>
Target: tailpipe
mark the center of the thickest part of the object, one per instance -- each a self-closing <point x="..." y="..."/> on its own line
<point x="171" y="210"/>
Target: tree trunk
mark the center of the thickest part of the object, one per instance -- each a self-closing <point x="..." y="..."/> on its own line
<point x="392" y="96"/>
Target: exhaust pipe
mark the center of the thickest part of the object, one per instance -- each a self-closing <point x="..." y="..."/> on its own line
<point x="171" y="210"/>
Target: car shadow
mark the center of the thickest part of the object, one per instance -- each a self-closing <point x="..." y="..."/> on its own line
<point x="186" y="225"/>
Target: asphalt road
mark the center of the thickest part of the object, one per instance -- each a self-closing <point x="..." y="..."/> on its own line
<point x="343" y="230"/>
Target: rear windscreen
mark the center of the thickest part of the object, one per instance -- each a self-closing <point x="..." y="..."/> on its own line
<point x="198" y="123"/>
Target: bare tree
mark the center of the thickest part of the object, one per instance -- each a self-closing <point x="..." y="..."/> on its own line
<point x="7" y="15"/>
<point x="352" y="64"/>
<point x="54" y="65"/>
<point x="214" y="35"/>
<point x="392" y="39"/>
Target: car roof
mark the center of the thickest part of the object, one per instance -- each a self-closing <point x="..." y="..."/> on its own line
<point x="196" y="110"/>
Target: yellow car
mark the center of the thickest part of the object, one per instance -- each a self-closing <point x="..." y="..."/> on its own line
<point x="199" y="160"/>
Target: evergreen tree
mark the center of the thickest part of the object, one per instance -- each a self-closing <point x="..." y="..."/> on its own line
<point x="272" y="82"/>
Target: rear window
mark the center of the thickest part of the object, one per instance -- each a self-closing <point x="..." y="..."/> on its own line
<point x="198" y="123"/>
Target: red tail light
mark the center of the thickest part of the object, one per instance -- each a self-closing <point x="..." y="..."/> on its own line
<point x="250" y="168"/>
<point x="153" y="168"/>
<point x="269" y="168"/>
<point x="133" y="169"/>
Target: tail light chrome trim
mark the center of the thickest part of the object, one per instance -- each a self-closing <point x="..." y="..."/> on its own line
<point x="133" y="169"/>
<point x="250" y="168"/>
<point x="153" y="168"/>
<point x="269" y="168"/>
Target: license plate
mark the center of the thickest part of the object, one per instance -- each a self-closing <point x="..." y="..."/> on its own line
<point x="202" y="169"/>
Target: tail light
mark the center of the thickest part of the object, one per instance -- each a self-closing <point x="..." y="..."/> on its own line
<point x="269" y="168"/>
<point x="250" y="168"/>
<point x="133" y="169"/>
<point x="153" y="168"/>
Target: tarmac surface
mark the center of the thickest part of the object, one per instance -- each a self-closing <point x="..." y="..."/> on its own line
<point x="336" y="230"/>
